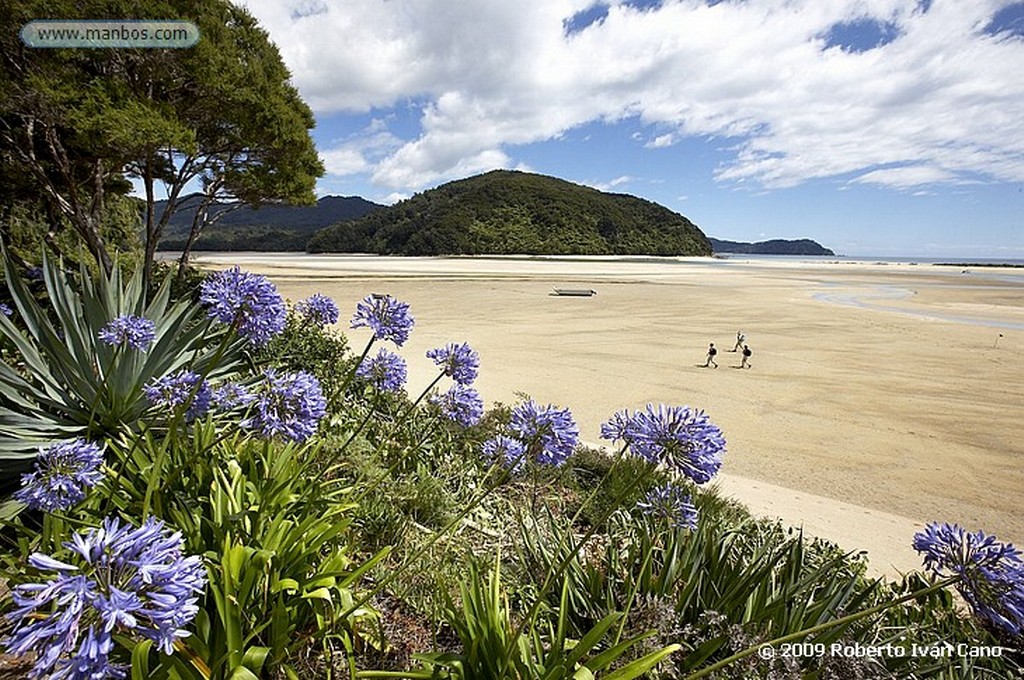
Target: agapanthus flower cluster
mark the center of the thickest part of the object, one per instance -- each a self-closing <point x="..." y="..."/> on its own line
<point x="123" y="579"/>
<point x="387" y="371"/>
<point x="34" y="274"/>
<point x="230" y="396"/>
<point x="460" y="404"/>
<point x="5" y="309"/>
<point x="319" y="309"/>
<point x="287" y="405"/>
<point x="549" y="433"/>
<point x="171" y="391"/>
<point x="458" y="362"/>
<point x="135" y="331"/>
<point x="388" y="318"/>
<point x="681" y="439"/>
<point x="504" y="451"/>
<point x="991" y="573"/>
<point x="64" y="472"/>
<point x="671" y="503"/>
<point x="248" y="302"/>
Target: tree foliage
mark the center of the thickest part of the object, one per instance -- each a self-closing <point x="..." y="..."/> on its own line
<point x="505" y="212"/>
<point x="221" y="114"/>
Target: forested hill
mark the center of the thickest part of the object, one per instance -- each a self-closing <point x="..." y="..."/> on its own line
<point x="270" y="227"/>
<point x="509" y="212"/>
<point x="803" y="246"/>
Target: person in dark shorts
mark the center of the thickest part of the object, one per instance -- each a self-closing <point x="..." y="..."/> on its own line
<point x="711" y="356"/>
<point x="746" y="357"/>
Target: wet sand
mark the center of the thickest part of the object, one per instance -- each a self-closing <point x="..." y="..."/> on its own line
<point x="881" y="397"/>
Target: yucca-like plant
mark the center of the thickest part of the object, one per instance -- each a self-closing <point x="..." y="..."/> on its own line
<point x="66" y="380"/>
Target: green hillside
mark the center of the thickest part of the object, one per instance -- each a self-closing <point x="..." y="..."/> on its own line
<point x="507" y="212"/>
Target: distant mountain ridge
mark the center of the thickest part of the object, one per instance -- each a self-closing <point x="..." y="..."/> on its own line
<point x="500" y="212"/>
<point x="803" y="246"/>
<point x="268" y="228"/>
<point x="510" y="212"/>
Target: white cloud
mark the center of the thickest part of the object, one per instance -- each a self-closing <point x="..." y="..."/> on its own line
<point x="355" y="153"/>
<point x="942" y="100"/>
<point x="395" y="197"/>
<point x="611" y="184"/>
<point x="662" y="141"/>
<point x="907" y="177"/>
<point x="344" y="161"/>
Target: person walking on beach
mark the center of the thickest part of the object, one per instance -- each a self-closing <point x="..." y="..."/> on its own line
<point x="740" y="339"/>
<point x="711" y="356"/>
<point x="746" y="357"/>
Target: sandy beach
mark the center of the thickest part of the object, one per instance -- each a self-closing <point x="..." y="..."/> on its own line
<point x="881" y="397"/>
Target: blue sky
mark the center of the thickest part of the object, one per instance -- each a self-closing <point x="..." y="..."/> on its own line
<point x="877" y="127"/>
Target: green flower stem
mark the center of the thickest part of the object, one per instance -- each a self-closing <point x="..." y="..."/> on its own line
<point x="362" y="424"/>
<point x="179" y="414"/>
<point x="118" y="474"/>
<point x="821" y="627"/>
<point x="104" y="386"/>
<point x="53" y="528"/>
<point x="356" y="365"/>
<point x="618" y="459"/>
<point x="304" y="323"/>
<point x="632" y="598"/>
<point x="394" y="466"/>
<point x="426" y="390"/>
<point x="395" y="573"/>
<point x="550" y="577"/>
<point x="399" y="421"/>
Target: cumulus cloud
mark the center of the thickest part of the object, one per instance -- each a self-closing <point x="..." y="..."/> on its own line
<point x="936" y="101"/>
<point x="361" y="150"/>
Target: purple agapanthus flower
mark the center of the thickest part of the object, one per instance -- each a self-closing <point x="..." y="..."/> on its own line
<point x="34" y="273"/>
<point x="319" y="309"/>
<point x="386" y="371"/>
<point x="5" y="309"/>
<point x="119" y="579"/>
<point x="618" y="427"/>
<point x="231" y="395"/>
<point x="460" y="404"/>
<point x="248" y="302"/>
<point x="549" y="433"/>
<point x="459" y="362"/>
<point x="63" y="473"/>
<point x="681" y="439"/>
<point x="672" y="503"/>
<point x="991" y="573"/>
<point x="135" y="331"/>
<point x="504" y="451"/>
<point x="171" y="391"/>
<point x="388" y="318"/>
<point x="287" y="405"/>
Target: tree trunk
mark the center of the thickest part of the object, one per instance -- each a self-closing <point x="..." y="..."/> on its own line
<point x="201" y="221"/>
<point x="155" y="228"/>
<point x="85" y="221"/>
<point x="150" y="245"/>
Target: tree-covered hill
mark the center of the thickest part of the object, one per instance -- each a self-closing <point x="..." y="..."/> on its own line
<point x="509" y="212"/>
<point x="803" y="246"/>
<point x="269" y="227"/>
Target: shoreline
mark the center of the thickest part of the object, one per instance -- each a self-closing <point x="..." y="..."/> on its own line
<point x="859" y="424"/>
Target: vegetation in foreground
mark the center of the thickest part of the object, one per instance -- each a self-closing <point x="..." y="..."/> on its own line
<point x="217" y="486"/>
